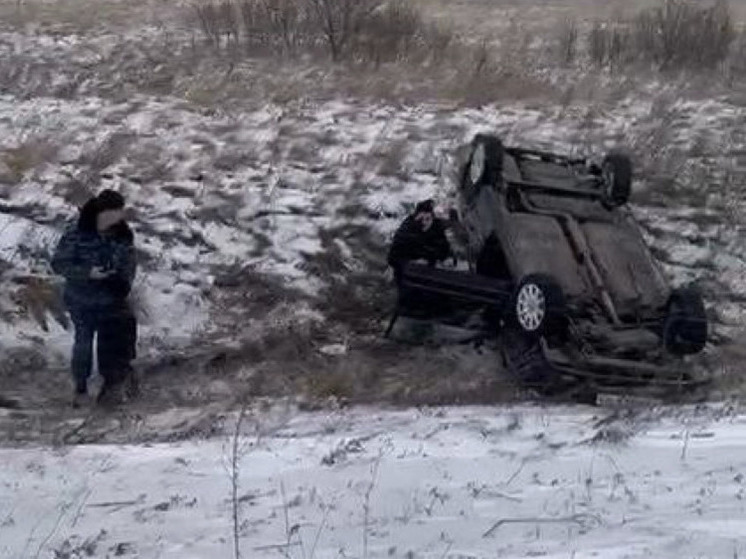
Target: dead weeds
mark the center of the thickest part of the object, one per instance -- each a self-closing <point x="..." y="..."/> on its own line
<point x="19" y="160"/>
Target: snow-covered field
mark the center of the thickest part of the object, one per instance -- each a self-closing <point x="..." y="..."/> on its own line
<point x="263" y="205"/>
<point x="262" y="200"/>
<point x="439" y="483"/>
<point x="275" y="188"/>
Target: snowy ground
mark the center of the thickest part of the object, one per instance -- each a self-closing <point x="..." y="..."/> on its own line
<point x="263" y="196"/>
<point x="261" y="189"/>
<point x="262" y="208"/>
<point x="440" y="483"/>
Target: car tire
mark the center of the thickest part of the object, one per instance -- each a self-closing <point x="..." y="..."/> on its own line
<point x="485" y="162"/>
<point x="538" y="306"/>
<point x="616" y="173"/>
<point x="685" y="326"/>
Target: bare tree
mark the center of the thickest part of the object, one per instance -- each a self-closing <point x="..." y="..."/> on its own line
<point x="341" y="20"/>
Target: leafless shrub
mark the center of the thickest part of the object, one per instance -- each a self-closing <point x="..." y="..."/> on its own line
<point x="366" y="502"/>
<point x="683" y="35"/>
<point x="108" y="152"/>
<point x="341" y="21"/>
<point x="285" y="22"/>
<point x="37" y="298"/>
<point x="737" y="61"/>
<point x="73" y="547"/>
<point x="389" y="33"/>
<point x="27" y="156"/>
<point x="673" y="36"/>
<point x="392" y="157"/>
<point x="237" y="452"/>
<point x="149" y="162"/>
<point x="229" y="20"/>
<point x="371" y="31"/>
<point x="209" y="22"/>
<point x="609" y="44"/>
<point x="568" y="41"/>
<point x="218" y="20"/>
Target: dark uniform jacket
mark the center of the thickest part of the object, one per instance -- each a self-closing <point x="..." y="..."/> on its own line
<point x="82" y="249"/>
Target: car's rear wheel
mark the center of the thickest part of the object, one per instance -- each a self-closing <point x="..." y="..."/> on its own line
<point x="685" y="327"/>
<point x="616" y="173"/>
<point x="539" y="306"/>
<point x="485" y="162"/>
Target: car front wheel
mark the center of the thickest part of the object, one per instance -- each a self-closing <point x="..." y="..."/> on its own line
<point x="485" y="162"/>
<point x="539" y="306"/>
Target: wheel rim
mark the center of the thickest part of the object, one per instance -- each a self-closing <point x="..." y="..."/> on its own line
<point x="476" y="167"/>
<point x="608" y="178"/>
<point x="531" y="307"/>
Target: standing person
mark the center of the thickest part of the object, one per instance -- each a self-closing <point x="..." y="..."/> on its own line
<point x="97" y="259"/>
<point x="421" y="236"/>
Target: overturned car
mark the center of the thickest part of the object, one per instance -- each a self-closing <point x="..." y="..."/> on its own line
<point x="560" y="269"/>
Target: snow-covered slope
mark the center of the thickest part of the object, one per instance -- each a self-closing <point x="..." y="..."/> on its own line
<point x="282" y="188"/>
<point x="436" y="483"/>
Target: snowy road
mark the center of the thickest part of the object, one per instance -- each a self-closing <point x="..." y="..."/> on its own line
<point x="437" y="483"/>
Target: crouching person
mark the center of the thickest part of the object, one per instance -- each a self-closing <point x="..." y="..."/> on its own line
<point x="96" y="257"/>
<point x="420" y="238"/>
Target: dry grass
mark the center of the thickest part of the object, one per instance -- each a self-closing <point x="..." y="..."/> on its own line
<point x="82" y="16"/>
<point x="568" y="39"/>
<point x="728" y="367"/>
<point x="38" y="299"/>
<point x="18" y="161"/>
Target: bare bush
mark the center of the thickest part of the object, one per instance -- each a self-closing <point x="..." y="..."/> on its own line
<point x="209" y="21"/>
<point x="683" y="35"/>
<point x="568" y="41"/>
<point x="389" y="34"/>
<point x="283" y="22"/>
<point x="341" y="21"/>
<point x="735" y="66"/>
<point x="368" y="31"/>
<point x="25" y="157"/>
<point x="37" y="298"/>
<point x="674" y="36"/>
<point x="610" y="44"/>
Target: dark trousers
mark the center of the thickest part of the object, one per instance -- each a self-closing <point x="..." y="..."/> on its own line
<point x="115" y="331"/>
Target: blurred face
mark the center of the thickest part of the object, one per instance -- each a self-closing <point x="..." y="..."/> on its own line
<point x="425" y="219"/>
<point x="108" y="218"/>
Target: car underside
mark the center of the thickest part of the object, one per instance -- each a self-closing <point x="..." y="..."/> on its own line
<point x="560" y="267"/>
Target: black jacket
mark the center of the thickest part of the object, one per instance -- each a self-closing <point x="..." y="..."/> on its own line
<point x="121" y="285"/>
<point x="412" y="243"/>
<point x="80" y="249"/>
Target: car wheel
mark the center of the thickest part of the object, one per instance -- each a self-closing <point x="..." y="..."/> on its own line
<point x="539" y="306"/>
<point x="685" y="327"/>
<point x="485" y="162"/>
<point x="616" y="176"/>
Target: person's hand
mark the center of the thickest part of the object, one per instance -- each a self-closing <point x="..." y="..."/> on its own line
<point x="99" y="273"/>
